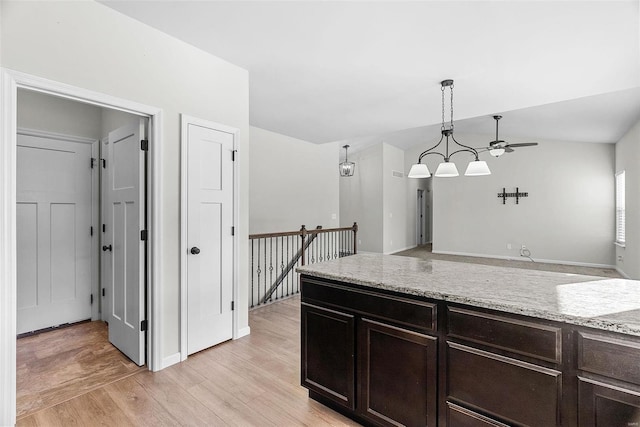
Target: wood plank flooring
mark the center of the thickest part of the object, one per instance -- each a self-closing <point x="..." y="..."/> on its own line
<point x="253" y="381"/>
<point x="57" y="365"/>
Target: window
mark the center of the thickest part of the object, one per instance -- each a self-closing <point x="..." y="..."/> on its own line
<point x="620" y="209"/>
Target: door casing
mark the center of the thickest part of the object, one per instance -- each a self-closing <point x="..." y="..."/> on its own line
<point x="10" y="81"/>
<point x="185" y="120"/>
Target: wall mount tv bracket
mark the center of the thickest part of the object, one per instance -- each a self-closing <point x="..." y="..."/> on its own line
<point x="504" y="195"/>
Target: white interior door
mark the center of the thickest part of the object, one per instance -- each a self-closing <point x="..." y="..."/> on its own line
<point x="209" y="237"/>
<point x="123" y="247"/>
<point x="53" y="219"/>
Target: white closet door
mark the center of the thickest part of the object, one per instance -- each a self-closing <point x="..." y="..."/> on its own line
<point x="53" y="232"/>
<point x="209" y="237"/>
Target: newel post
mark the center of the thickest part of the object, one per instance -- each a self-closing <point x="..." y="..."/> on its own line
<point x="303" y="236"/>
<point x="355" y="238"/>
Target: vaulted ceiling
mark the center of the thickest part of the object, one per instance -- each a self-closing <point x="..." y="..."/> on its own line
<point x="328" y="71"/>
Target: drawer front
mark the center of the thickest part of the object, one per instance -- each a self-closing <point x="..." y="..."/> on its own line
<point x="404" y="311"/>
<point x="609" y="356"/>
<point x="507" y="388"/>
<point x="458" y="416"/>
<point x="529" y="339"/>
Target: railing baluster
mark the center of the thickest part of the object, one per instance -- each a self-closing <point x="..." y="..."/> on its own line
<point x="302" y="247"/>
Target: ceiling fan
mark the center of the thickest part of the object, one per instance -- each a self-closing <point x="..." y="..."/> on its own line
<point x="498" y="147"/>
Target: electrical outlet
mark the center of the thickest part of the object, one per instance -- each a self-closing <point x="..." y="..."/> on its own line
<point x="523" y="248"/>
<point x="509" y="246"/>
<point x="359" y="241"/>
<point x="620" y="258"/>
<point x="334" y="216"/>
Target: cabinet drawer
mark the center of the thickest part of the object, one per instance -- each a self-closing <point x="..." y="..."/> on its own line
<point x="609" y="356"/>
<point x="399" y="310"/>
<point x="529" y="339"/>
<point x="512" y="390"/>
<point x="458" y="416"/>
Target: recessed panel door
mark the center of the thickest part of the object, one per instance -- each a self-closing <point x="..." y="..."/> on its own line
<point x="53" y="219"/>
<point x="209" y="237"/>
<point x="123" y="243"/>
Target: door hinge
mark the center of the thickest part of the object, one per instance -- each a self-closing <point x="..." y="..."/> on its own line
<point x="233" y="155"/>
<point x="103" y="292"/>
<point x="144" y="144"/>
<point x="104" y="228"/>
<point x="143" y="326"/>
<point x="233" y="230"/>
<point x="92" y="299"/>
<point x="93" y="162"/>
<point x="233" y="305"/>
<point x="104" y="163"/>
<point x="91" y="230"/>
<point x="143" y="235"/>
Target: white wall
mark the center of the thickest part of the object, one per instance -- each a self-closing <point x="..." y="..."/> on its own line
<point x="568" y="216"/>
<point x="292" y="182"/>
<point x="361" y="199"/>
<point x="394" y="201"/>
<point x="58" y="115"/>
<point x="89" y="45"/>
<point x="628" y="159"/>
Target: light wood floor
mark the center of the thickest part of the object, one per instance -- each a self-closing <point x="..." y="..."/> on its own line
<point x="253" y="381"/>
<point x="425" y="252"/>
<point x="58" y="365"/>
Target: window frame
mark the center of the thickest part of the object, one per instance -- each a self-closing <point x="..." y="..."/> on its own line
<point x="620" y="201"/>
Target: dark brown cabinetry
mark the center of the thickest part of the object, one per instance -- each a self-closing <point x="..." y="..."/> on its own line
<point x="608" y="381"/>
<point x="385" y="359"/>
<point x="395" y="358"/>
<point x="397" y="375"/>
<point x="328" y="356"/>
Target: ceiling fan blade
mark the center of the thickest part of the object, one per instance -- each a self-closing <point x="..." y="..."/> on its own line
<point x="523" y="144"/>
<point x="508" y="149"/>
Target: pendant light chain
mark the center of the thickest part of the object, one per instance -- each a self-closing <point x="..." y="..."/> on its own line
<point x="442" y="90"/>
<point x="451" y="90"/>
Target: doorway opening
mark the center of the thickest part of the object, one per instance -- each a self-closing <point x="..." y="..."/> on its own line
<point x="12" y="81"/>
<point x="80" y="204"/>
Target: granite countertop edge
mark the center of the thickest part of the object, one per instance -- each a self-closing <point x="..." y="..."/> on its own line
<point x="591" y="322"/>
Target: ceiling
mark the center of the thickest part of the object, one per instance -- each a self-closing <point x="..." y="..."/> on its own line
<point x="358" y="71"/>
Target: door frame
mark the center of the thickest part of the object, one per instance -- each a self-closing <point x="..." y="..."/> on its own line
<point x="186" y="120"/>
<point x="10" y="81"/>
<point x="420" y="224"/>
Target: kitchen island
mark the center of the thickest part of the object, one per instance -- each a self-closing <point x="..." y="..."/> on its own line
<point x="393" y="340"/>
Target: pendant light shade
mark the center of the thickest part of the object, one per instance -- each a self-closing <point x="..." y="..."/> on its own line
<point x="419" y="170"/>
<point x="477" y="168"/>
<point x="346" y="168"/>
<point x="447" y="170"/>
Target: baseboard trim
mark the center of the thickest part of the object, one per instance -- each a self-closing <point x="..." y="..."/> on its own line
<point x="546" y="261"/>
<point x="622" y="273"/>
<point x="170" y="360"/>
<point x="242" y="332"/>
<point x="400" y="250"/>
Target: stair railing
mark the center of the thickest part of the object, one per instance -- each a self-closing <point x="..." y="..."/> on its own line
<point x="274" y="257"/>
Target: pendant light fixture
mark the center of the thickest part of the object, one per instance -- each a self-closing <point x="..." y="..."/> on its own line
<point x="346" y="168"/>
<point x="446" y="168"/>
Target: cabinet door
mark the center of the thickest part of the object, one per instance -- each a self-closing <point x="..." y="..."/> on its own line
<point x="397" y="375"/>
<point x="604" y="405"/>
<point x="328" y="347"/>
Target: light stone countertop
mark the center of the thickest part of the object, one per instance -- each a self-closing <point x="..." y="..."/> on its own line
<point x="596" y="302"/>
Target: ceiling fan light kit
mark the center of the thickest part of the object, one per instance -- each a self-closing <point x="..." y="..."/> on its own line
<point x="498" y="147"/>
<point x="447" y="168"/>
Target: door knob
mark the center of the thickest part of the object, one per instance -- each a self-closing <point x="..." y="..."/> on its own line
<point x="195" y="250"/>
<point x="106" y="248"/>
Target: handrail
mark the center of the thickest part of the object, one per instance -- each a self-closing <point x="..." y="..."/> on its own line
<point x="354" y="227"/>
